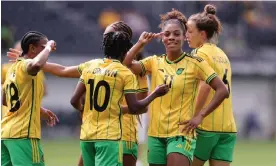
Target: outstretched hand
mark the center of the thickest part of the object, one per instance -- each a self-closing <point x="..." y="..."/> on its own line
<point x="13" y="54"/>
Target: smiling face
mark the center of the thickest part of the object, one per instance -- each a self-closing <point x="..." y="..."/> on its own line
<point x="173" y="37"/>
<point x="194" y="37"/>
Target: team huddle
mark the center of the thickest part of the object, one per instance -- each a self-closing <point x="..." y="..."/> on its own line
<point x="188" y="98"/>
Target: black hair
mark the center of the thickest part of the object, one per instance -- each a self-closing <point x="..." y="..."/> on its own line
<point x="31" y="37"/>
<point x="121" y="26"/>
<point x="116" y="44"/>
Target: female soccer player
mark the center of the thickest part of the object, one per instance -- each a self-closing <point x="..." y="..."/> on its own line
<point x="4" y="69"/>
<point x="104" y="82"/>
<point x="167" y="145"/>
<point x="21" y="130"/>
<point x="217" y="132"/>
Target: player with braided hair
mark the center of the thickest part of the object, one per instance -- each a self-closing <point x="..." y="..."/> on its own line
<point x="104" y="83"/>
<point x="167" y="145"/>
<point x="217" y="133"/>
<point x="23" y="91"/>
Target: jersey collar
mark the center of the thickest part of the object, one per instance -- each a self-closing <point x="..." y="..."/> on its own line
<point x="20" y="59"/>
<point x="111" y="60"/>
<point x="177" y="60"/>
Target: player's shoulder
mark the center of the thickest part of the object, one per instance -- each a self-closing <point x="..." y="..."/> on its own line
<point x="193" y="58"/>
<point x="5" y="66"/>
<point x="94" y="61"/>
<point x="155" y="57"/>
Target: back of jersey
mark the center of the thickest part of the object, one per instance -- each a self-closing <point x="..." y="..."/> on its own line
<point x="222" y="119"/>
<point x="106" y="82"/>
<point x="23" y="96"/>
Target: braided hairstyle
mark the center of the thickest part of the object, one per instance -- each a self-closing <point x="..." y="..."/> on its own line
<point x="31" y="37"/>
<point x="207" y="21"/>
<point x="121" y="26"/>
<point x="175" y="17"/>
<point x="116" y="45"/>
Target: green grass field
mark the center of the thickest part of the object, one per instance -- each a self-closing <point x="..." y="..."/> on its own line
<point x="247" y="153"/>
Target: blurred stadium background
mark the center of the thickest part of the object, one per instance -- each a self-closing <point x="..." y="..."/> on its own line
<point x="248" y="38"/>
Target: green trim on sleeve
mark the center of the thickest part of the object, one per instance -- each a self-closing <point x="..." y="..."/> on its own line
<point x="143" y="69"/>
<point x="79" y="70"/>
<point x="142" y="90"/>
<point x="81" y="80"/>
<point x="210" y="78"/>
<point x="130" y="91"/>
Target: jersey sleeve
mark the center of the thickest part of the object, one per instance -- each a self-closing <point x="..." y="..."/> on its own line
<point x="82" y="66"/>
<point x="146" y="65"/>
<point x="205" y="72"/>
<point x="201" y="55"/>
<point x="23" y="65"/>
<point x="142" y="84"/>
<point x="82" y="78"/>
<point x="130" y="83"/>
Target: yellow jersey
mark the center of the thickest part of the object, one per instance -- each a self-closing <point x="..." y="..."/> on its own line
<point x="106" y="82"/>
<point x="182" y="76"/>
<point x="4" y="69"/>
<point x="23" y="96"/>
<point x="222" y="119"/>
<point x="130" y="122"/>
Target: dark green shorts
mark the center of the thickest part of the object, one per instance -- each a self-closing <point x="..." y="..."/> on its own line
<point x="21" y="152"/>
<point x="103" y="153"/>
<point x="213" y="145"/>
<point x="130" y="148"/>
<point x="159" y="148"/>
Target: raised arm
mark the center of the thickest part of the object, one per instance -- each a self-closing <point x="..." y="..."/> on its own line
<point x="137" y="106"/>
<point x="61" y="71"/>
<point x="52" y="68"/>
<point x="129" y="61"/>
<point x="35" y="65"/>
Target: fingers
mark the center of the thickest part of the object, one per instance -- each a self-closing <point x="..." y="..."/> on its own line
<point x="15" y="51"/>
<point x="158" y="35"/>
<point x="183" y="123"/>
<point x="52" y="119"/>
<point x="52" y="115"/>
<point x="12" y="55"/>
<point x="149" y="35"/>
<point x="189" y="126"/>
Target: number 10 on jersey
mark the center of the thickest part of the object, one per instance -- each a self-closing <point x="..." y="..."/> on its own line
<point x="94" y="93"/>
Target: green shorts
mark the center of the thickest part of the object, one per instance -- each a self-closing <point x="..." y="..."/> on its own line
<point x="103" y="153"/>
<point x="130" y="148"/>
<point x="21" y="152"/>
<point x="159" y="148"/>
<point x="213" y="145"/>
